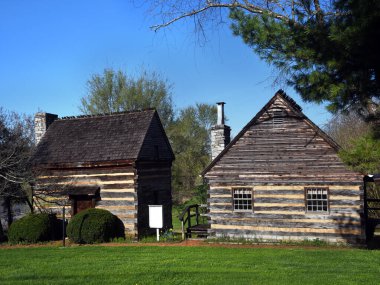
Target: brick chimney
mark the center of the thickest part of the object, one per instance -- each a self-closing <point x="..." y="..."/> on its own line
<point x="220" y="133"/>
<point x="41" y="123"/>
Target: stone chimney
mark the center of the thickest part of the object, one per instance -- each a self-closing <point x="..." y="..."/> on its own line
<point x="220" y="133"/>
<point x="41" y="123"/>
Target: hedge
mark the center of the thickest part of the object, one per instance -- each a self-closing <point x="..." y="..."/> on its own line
<point x="33" y="228"/>
<point x="94" y="226"/>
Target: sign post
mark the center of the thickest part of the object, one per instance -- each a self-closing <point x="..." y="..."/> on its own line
<point x="156" y="218"/>
<point x="63" y="226"/>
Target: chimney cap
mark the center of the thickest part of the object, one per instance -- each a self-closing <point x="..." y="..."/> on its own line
<point x="220" y="103"/>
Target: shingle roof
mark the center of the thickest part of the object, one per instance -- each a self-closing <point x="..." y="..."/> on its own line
<point x="114" y="137"/>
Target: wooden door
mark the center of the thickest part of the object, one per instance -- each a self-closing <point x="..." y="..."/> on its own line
<point x="81" y="203"/>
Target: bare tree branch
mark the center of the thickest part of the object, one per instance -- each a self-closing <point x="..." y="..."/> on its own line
<point x="235" y="4"/>
<point x="172" y="11"/>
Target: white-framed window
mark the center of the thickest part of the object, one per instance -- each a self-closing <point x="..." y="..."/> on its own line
<point x="242" y="199"/>
<point x="317" y="199"/>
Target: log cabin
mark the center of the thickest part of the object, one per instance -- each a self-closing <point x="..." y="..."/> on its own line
<point x="281" y="178"/>
<point x="119" y="162"/>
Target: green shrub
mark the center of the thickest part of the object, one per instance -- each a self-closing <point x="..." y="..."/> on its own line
<point x="33" y="228"/>
<point x="94" y="226"/>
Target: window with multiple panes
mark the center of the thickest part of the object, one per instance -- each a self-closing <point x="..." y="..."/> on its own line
<point x="242" y="199"/>
<point x="317" y="199"/>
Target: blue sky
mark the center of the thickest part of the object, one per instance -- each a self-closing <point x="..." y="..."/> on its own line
<point x="50" y="48"/>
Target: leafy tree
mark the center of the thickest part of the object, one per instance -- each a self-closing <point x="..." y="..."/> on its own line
<point x="326" y="50"/>
<point x="114" y="91"/>
<point x="364" y="155"/>
<point x="360" y="149"/>
<point x="188" y="132"/>
<point x="16" y="143"/>
<point x="346" y="128"/>
<point x="190" y="138"/>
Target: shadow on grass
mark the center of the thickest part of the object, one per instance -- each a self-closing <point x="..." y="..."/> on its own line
<point x="374" y="243"/>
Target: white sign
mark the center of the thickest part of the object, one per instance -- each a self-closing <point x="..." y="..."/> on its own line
<point x="155" y="217"/>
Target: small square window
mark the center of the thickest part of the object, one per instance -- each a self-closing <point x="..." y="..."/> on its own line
<point x="316" y="199"/>
<point x="242" y="199"/>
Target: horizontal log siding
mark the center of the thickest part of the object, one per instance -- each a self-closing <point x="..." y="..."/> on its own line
<point x="278" y="162"/>
<point x="286" y="218"/>
<point x="291" y="152"/>
<point x="117" y="191"/>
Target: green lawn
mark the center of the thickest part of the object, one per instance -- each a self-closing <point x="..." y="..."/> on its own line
<point x="176" y="211"/>
<point x="187" y="265"/>
<point x="176" y="222"/>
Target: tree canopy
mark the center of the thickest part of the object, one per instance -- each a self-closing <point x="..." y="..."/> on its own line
<point x="364" y="155"/>
<point x="115" y="91"/>
<point x="326" y="50"/>
<point x="188" y="129"/>
<point x="346" y="128"/>
<point x="360" y="148"/>
<point x="189" y="135"/>
<point x="16" y="144"/>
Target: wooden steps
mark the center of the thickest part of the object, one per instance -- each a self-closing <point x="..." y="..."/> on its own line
<point x="194" y="221"/>
<point x="199" y="230"/>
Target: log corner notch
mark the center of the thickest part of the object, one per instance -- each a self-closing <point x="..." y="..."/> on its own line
<point x="120" y="162"/>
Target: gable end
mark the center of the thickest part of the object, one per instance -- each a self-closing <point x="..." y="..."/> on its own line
<point x="156" y="145"/>
<point x="266" y="114"/>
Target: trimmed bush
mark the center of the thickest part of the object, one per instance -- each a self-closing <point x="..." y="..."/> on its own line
<point x="94" y="226"/>
<point x="33" y="228"/>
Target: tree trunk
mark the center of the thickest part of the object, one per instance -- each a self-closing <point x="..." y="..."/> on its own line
<point x="8" y="206"/>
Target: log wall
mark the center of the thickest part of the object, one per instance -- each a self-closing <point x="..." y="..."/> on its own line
<point x="279" y="213"/>
<point x="277" y="161"/>
<point x="117" y="191"/>
<point x="124" y="191"/>
<point x="154" y="188"/>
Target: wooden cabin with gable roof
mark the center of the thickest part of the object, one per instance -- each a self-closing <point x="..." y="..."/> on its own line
<point x="119" y="162"/>
<point x="281" y="178"/>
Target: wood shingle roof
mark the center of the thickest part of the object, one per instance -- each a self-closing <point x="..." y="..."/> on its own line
<point x="89" y="139"/>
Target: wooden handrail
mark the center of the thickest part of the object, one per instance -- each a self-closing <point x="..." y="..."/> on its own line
<point x="373" y="200"/>
<point x="186" y="216"/>
<point x="185" y="211"/>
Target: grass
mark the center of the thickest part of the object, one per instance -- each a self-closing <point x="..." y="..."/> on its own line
<point x="187" y="265"/>
<point x="176" y="211"/>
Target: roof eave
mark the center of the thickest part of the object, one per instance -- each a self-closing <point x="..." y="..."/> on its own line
<point x="86" y="164"/>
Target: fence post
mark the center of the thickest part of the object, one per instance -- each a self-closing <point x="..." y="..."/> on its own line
<point x="197" y="214"/>
<point x="183" y="230"/>
<point x="189" y="217"/>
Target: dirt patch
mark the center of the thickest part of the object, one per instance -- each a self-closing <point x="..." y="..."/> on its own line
<point x="45" y="244"/>
<point x="203" y="243"/>
<point x="186" y="243"/>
